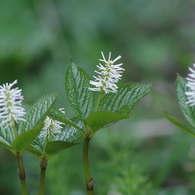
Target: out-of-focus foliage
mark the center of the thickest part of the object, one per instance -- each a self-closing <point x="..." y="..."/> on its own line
<point x="156" y="40"/>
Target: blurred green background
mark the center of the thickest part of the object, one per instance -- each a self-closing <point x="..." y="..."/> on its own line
<point x="156" y="39"/>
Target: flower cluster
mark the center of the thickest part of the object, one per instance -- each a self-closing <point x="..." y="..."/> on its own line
<point x="51" y="126"/>
<point x="191" y="84"/>
<point x="11" y="109"/>
<point x="108" y="75"/>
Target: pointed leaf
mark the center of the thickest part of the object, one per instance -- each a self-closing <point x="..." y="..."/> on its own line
<point x="124" y="110"/>
<point x="34" y="151"/>
<point x="5" y="144"/>
<point x="37" y="112"/>
<point x="6" y="137"/>
<point x="69" y="132"/>
<point x="188" y="111"/>
<point x="80" y="97"/>
<point x="56" y="146"/>
<point x="128" y="94"/>
<point x="178" y="123"/>
<point x="58" y="115"/>
<point x="25" y="138"/>
<point x="99" y="119"/>
<point x="26" y="106"/>
<point x="38" y="144"/>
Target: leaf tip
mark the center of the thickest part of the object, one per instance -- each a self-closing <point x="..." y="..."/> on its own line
<point x="71" y="60"/>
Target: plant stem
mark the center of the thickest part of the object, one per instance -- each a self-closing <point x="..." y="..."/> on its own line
<point x="15" y="130"/>
<point x="21" y="173"/>
<point x="43" y="166"/>
<point x="89" y="180"/>
<point x="98" y="101"/>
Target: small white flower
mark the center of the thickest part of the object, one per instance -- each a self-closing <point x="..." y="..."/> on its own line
<point x="11" y="104"/>
<point x="51" y="126"/>
<point x="62" y="111"/>
<point x="108" y="75"/>
<point x="191" y="84"/>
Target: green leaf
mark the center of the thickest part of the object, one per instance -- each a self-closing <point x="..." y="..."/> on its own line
<point x="124" y="110"/>
<point x="80" y="97"/>
<point x="6" y="137"/>
<point x="37" y="112"/>
<point x="33" y="151"/>
<point x="128" y="94"/>
<point x="69" y="132"/>
<point x="37" y="147"/>
<point x="58" y="115"/>
<point x="54" y="147"/>
<point x="5" y="144"/>
<point x="188" y="111"/>
<point x="25" y="138"/>
<point x="178" y="123"/>
<point x="99" y="119"/>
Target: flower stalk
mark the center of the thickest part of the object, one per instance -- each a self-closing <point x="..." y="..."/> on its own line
<point x="106" y="82"/>
<point x="43" y="166"/>
<point x="21" y="173"/>
<point x="89" y="180"/>
<point x="98" y="101"/>
<point x="51" y="127"/>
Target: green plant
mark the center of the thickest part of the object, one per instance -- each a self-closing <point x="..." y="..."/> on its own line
<point x="44" y="130"/>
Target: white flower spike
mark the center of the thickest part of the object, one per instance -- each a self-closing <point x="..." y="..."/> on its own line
<point x="51" y="126"/>
<point x="11" y="104"/>
<point x="191" y="84"/>
<point x="108" y="75"/>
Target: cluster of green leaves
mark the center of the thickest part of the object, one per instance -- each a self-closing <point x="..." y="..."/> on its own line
<point x="25" y="135"/>
<point x="112" y="108"/>
<point x="17" y="138"/>
<point x="188" y="111"/>
<point x="44" y="148"/>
